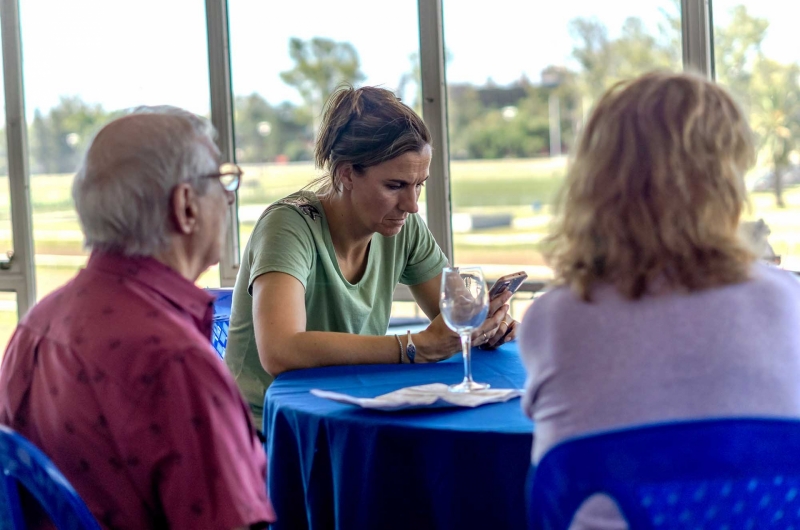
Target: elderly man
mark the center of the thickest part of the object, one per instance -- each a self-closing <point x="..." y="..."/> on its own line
<point x="113" y="375"/>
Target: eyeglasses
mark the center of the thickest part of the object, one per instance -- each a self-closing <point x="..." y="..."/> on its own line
<point x="229" y="175"/>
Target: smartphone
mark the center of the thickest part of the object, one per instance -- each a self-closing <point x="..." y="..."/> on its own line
<point x="509" y="282"/>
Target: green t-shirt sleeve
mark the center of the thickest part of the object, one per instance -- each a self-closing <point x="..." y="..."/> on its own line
<point x="281" y="242"/>
<point x="425" y="258"/>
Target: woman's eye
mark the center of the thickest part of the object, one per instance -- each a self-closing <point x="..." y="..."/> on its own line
<point x="394" y="186"/>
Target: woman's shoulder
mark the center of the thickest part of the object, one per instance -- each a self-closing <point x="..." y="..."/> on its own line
<point x="303" y="202"/>
<point x="552" y="303"/>
<point x="556" y="296"/>
<point x="296" y="217"/>
<point x="781" y="282"/>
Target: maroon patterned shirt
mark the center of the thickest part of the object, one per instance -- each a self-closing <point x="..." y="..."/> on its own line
<point x="114" y="378"/>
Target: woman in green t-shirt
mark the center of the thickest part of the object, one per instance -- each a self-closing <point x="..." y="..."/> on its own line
<point x="316" y="282"/>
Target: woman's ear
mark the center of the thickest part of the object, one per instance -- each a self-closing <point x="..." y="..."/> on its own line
<point x="184" y="209"/>
<point x="346" y="176"/>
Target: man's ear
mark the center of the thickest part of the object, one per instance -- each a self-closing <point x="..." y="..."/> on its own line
<point x="346" y="176"/>
<point x="185" y="210"/>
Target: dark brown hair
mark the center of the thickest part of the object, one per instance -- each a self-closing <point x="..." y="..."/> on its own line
<point x="364" y="127"/>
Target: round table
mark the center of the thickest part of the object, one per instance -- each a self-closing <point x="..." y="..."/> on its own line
<point x="333" y="465"/>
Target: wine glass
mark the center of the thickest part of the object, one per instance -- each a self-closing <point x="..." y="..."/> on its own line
<point x="464" y="303"/>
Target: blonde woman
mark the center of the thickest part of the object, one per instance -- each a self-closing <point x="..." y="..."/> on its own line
<point x="659" y="313"/>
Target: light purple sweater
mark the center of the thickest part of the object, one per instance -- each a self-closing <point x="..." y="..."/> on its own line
<point x="612" y="363"/>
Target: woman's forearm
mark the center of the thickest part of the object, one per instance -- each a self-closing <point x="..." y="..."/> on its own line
<point x="310" y="349"/>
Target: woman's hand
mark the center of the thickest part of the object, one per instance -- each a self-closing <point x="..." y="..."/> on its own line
<point x="507" y="331"/>
<point x="439" y="342"/>
<point x="495" y="325"/>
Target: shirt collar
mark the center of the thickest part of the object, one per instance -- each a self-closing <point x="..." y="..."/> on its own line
<point x="158" y="277"/>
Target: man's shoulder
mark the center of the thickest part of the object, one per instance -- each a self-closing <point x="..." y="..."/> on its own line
<point x="104" y="321"/>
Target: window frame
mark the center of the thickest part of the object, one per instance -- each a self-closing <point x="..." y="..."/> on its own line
<point x="20" y="278"/>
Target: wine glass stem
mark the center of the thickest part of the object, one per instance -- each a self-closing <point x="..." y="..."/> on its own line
<point x="466" y="348"/>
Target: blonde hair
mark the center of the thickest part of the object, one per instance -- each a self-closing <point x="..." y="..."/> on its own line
<point x="655" y="190"/>
<point x="364" y="127"/>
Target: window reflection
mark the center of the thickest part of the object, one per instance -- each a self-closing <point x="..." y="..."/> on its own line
<point x="282" y="77"/>
<point x="8" y="301"/>
<point x="516" y="99"/>
<point x="756" y="59"/>
<point x="82" y="68"/>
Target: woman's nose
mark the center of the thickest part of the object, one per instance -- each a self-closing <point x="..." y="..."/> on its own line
<point x="410" y="201"/>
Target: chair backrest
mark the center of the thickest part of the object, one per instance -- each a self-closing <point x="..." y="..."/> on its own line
<point x="24" y="464"/>
<point x="222" y="317"/>
<point x="723" y="473"/>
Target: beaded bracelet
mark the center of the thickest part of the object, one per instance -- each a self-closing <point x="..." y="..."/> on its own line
<point x="401" y="348"/>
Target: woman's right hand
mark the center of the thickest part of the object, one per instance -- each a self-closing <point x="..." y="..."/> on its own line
<point x="439" y="342"/>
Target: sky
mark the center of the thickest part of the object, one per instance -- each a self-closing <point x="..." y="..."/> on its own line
<point x="124" y="53"/>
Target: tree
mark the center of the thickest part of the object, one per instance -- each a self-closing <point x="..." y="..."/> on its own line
<point x="594" y="55"/>
<point x="737" y="48"/>
<point x="59" y="139"/>
<point x="604" y="61"/>
<point x="775" y="100"/>
<point x="500" y="133"/>
<point x="769" y="91"/>
<point x="264" y="133"/>
<point x="321" y="65"/>
<point x="563" y="84"/>
<point x="43" y="150"/>
<point x="670" y="29"/>
<point x="464" y="108"/>
<point x="409" y="89"/>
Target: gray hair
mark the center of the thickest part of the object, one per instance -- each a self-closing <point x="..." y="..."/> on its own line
<point x="123" y="188"/>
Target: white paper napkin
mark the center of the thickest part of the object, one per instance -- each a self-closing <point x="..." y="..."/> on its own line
<point x="424" y="396"/>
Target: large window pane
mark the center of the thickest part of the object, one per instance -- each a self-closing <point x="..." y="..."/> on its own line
<point x="82" y="67"/>
<point x="517" y="95"/>
<point x="283" y="76"/>
<point x="8" y="319"/>
<point x="6" y="239"/>
<point x="8" y="301"/>
<point x="757" y="59"/>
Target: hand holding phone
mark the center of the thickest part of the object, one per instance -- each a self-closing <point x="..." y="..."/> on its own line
<point x="509" y="282"/>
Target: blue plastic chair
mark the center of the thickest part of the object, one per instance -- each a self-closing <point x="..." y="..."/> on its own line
<point x="24" y="464"/>
<point x="222" y="317"/>
<point x="722" y="474"/>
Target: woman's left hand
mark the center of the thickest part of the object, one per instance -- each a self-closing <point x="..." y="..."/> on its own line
<point x="506" y="331"/>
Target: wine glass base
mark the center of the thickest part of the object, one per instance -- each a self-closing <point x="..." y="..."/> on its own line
<point x="468" y="386"/>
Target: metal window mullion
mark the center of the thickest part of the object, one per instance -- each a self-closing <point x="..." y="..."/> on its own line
<point x="219" y="76"/>
<point x="696" y="36"/>
<point x="21" y="277"/>
<point x="434" y="112"/>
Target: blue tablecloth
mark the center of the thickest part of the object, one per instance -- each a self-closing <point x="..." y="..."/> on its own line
<point x="333" y="465"/>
